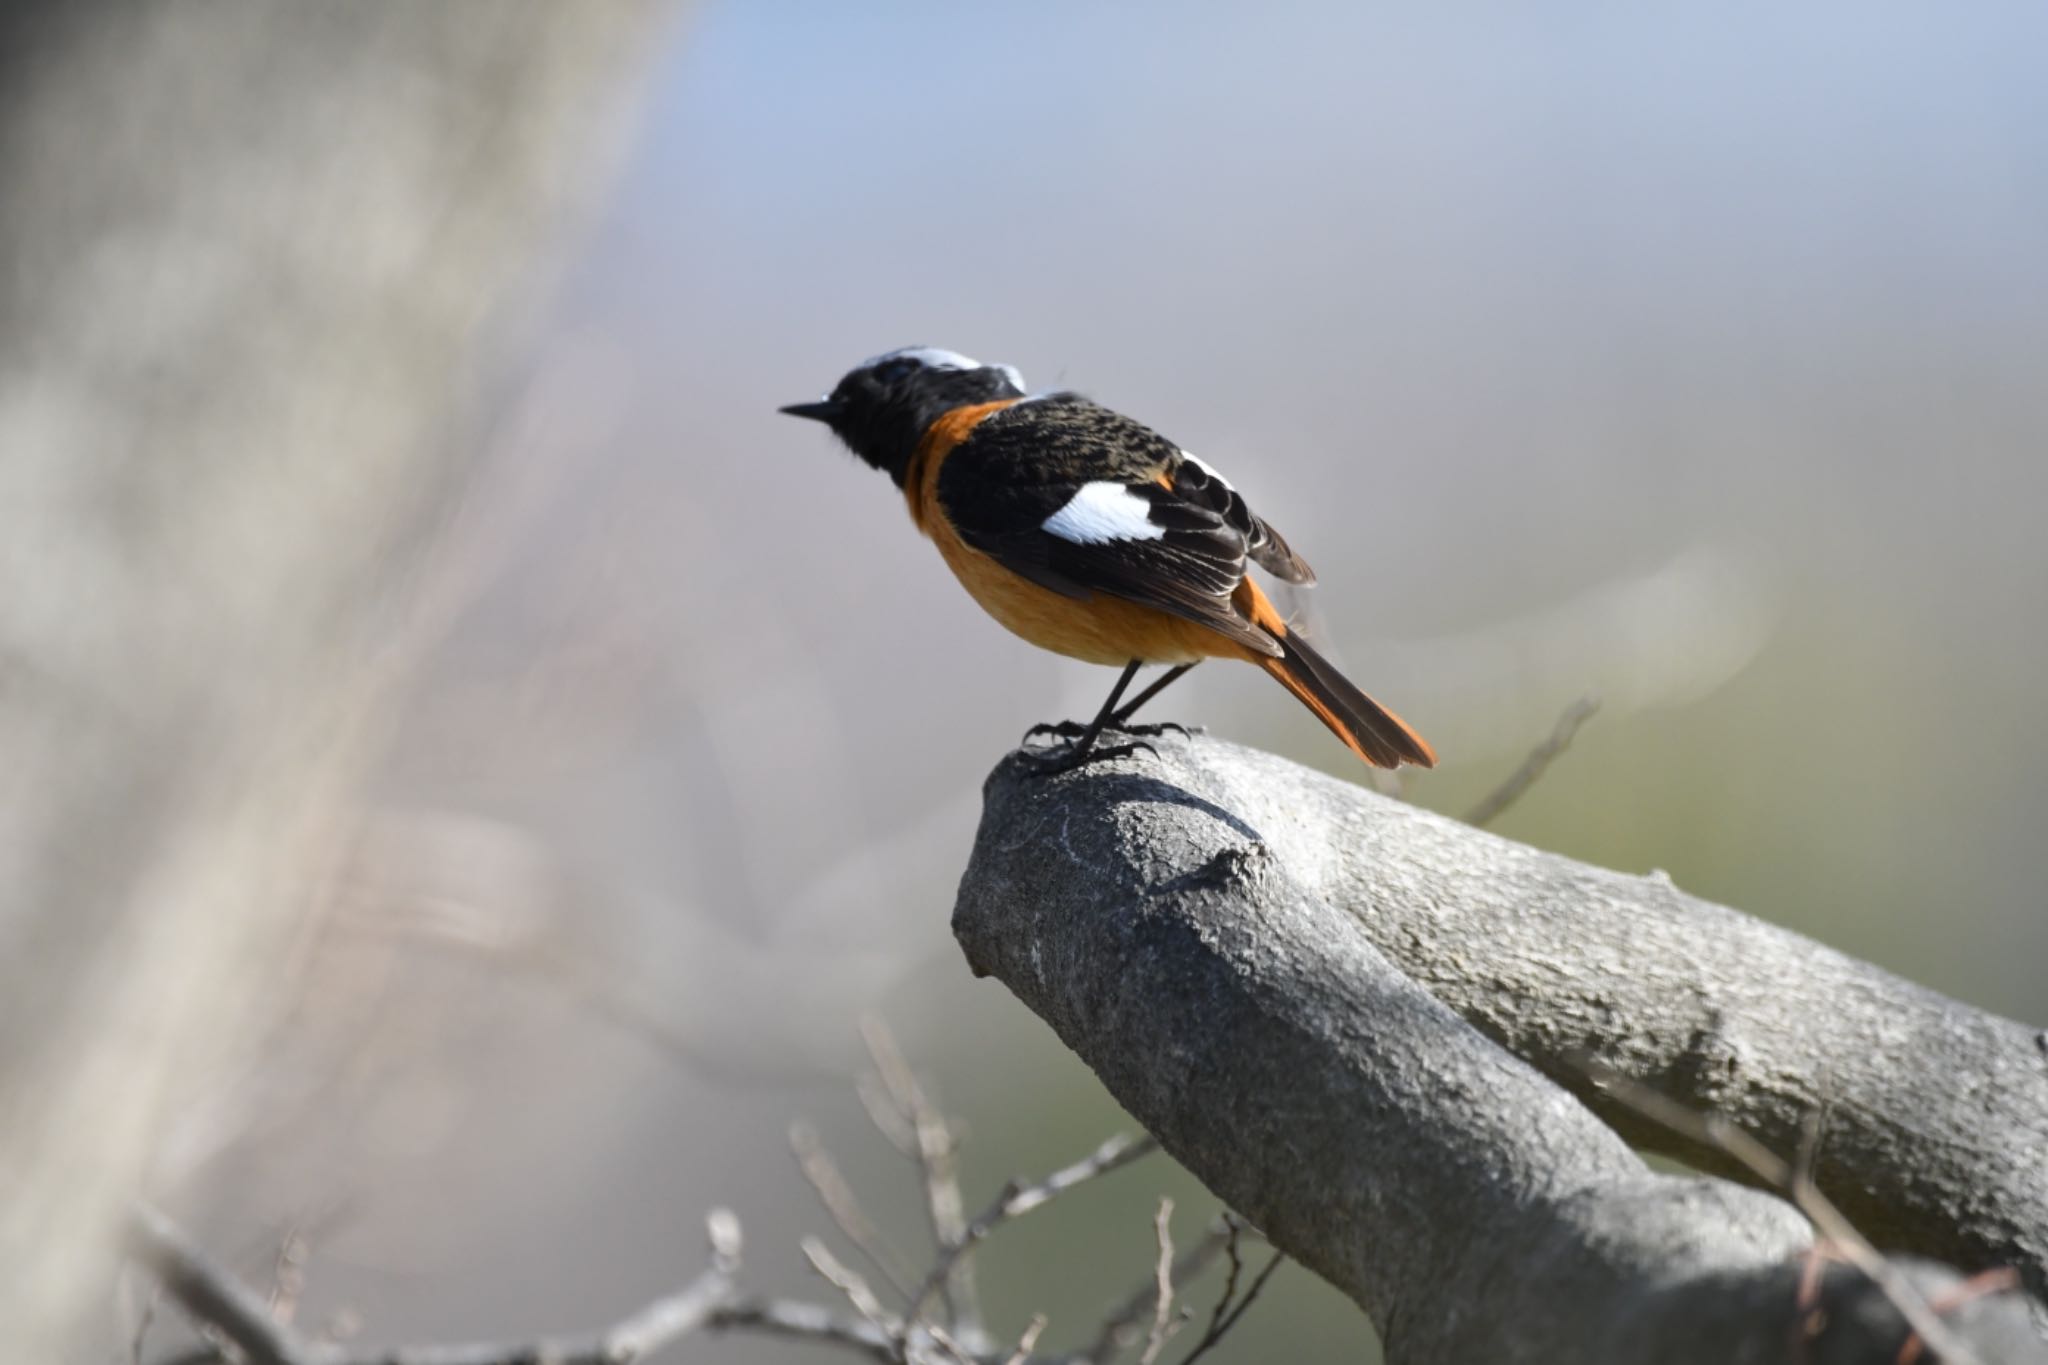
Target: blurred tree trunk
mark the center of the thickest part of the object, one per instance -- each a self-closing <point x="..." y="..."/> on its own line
<point x="251" y="253"/>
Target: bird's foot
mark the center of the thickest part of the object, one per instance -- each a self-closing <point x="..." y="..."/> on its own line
<point x="1154" y="729"/>
<point x="1066" y="760"/>
<point x="1074" y="729"/>
<point x="1065" y="729"/>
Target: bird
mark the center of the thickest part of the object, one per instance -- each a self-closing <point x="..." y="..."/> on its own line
<point x="1088" y="533"/>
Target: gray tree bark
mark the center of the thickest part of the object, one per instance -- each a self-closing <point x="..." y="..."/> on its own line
<point x="251" y="251"/>
<point x="1366" y="1027"/>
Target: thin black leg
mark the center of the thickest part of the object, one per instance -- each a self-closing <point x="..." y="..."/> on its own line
<point x="1159" y="684"/>
<point x="1078" y="752"/>
<point x="1102" y="717"/>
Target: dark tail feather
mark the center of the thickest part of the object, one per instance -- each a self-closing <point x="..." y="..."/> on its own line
<point x="1368" y="729"/>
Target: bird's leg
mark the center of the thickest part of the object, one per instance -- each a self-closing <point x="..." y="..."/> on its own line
<point x="1130" y="708"/>
<point x="1083" y="747"/>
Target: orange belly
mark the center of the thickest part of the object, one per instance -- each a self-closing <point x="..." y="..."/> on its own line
<point x="1099" y="630"/>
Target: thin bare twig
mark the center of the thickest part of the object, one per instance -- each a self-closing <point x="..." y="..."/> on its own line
<point x="1541" y="757"/>
<point x="238" y="1323"/>
<point x="935" y="1156"/>
<point x="1793" y="1179"/>
<point x="288" y="1275"/>
<point x="805" y="1322"/>
<point x="1162" y="1310"/>
<point x="882" y="1112"/>
<point x="847" y="1282"/>
<point x="2002" y="1279"/>
<point x="840" y="1202"/>
<point x="1017" y="1199"/>
<point x="1120" y="1322"/>
<point x="870" y="1308"/>
<point x="1215" y="1328"/>
<point x="1220" y="1325"/>
<point x="1028" y="1342"/>
<point x="660" y="1323"/>
<point x="210" y="1293"/>
<point x="224" y="1304"/>
<point x="144" y="1319"/>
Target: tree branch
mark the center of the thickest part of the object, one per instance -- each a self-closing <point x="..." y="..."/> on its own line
<point x="221" y="1302"/>
<point x="824" y="1177"/>
<point x="1539" y="760"/>
<point x="1019" y="1198"/>
<point x="1119" y="1324"/>
<point x="210" y="1293"/>
<point x="932" y="1143"/>
<point x="235" y="1320"/>
<point x="1301" y="989"/>
<point x="1162" y="1279"/>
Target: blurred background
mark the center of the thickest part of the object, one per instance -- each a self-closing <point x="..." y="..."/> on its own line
<point x="1689" y="359"/>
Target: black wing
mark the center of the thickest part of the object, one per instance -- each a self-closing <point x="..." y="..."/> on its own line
<point x="1197" y="482"/>
<point x="1080" y="499"/>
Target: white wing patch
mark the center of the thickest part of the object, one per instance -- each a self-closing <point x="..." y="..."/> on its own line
<point x="1101" y="512"/>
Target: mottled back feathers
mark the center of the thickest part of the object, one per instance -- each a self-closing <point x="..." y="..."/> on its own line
<point x="1080" y="499"/>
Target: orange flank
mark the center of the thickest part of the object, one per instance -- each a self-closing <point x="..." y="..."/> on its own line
<point x="1099" y="629"/>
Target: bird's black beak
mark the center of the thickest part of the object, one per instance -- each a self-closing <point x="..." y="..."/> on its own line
<point x="824" y="410"/>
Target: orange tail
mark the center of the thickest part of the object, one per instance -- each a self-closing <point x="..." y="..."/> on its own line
<point x="1368" y="729"/>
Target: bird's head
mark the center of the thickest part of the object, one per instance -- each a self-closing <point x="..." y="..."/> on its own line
<point x="883" y="406"/>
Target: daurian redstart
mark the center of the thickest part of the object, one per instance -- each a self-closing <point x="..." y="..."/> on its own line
<point x="1092" y="535"/>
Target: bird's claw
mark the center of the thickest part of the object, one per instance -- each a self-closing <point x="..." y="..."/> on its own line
<point x="1073" y="729"/>
<point x="1119" y="751"/>
<point x="1155" y="729"/>
<point x="1065" y="729"/>
<point x="1065" y="760"/>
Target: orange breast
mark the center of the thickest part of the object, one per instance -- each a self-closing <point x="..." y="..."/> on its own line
<point x="1099" y="630"/>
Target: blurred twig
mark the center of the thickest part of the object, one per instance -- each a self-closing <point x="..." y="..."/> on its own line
<point x="145" y="1318"/>
<point x="221" y="1303"/>
<point x="1794" y="1179"/>
<point x="839" y="1200"/>
<point x="1119" y="1324"/>
<point x="236" y="1322"/>
<point x="1027" y="1341"/>
<point x="211" y="1294"/>
<point x="1541" y="757"/>
<point x="934" y="1151"/>
<point x="1226" y="1313"/>
<point x="1162" y="1307"/>
<point x="856" y="1289"/>
<point x="1018" y="1198"/>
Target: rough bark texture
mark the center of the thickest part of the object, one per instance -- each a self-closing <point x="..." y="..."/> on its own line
<point x="250" y="253"/>
<point x="1303" y="989"/>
